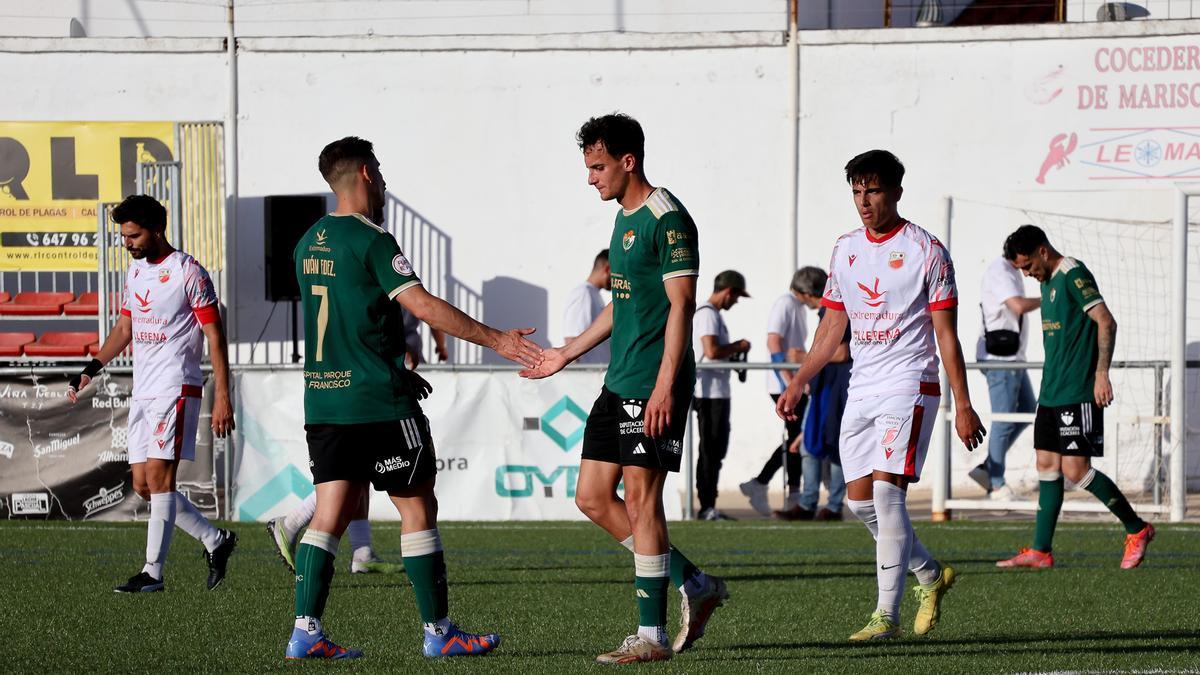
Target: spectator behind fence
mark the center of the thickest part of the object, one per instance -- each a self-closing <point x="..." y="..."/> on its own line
<point x="818" y="445"/>
<point x="711" y="343"/>
<point x="1005" y="333"/>
<point x="787" y="331"/>
<point x="584" y="304"/>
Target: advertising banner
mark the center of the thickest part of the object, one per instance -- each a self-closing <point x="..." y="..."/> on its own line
<point x="507" y="448"/>
<point x="51" y="176"/>
<point x="64" y="461"/>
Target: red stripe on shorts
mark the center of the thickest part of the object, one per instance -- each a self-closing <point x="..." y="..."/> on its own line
<point x="914" y="437"/>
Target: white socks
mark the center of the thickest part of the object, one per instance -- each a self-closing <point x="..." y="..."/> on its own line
<point x="158" y="532"/>
<point x="886" y="517"/>
<point x="189" y="519"/>
<point x="298" y="518"/>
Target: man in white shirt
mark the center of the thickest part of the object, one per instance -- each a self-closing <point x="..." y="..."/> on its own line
<point x="1005" y="333"/>
<point x="893" y="283"/>
<point x="584" y="304"/>
<point x="711" y="342"/>
<point x="168" y="311"/>
<point x="787" y="333"/>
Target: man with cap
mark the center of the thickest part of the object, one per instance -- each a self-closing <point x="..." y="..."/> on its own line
<point x="711" y="342"/>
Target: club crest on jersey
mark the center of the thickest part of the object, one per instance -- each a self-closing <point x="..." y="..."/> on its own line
<point x="1067" y="418"/>
<point x="896" y="260"/>
<point x="164" y="275"/>
<point x="632" y="409"/>
<point x="874" y="297"/>
<point x="627" y="240"/>
<point x="401" y="265"/>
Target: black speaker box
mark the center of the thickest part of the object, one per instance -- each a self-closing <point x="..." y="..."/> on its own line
<point x="287" y="218"/>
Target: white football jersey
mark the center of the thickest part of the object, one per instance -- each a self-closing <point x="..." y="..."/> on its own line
<point x="889" y="288"/>
<point x="167" y="302"/>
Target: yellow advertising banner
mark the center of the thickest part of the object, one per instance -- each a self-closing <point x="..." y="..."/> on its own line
<point x="52" y="174"/>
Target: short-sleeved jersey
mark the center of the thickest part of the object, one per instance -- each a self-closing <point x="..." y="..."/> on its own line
<point x="167" y="302"/>
<point x="650" y="244"/>
<point x="889" y="288"/>
<point x="1001" y="281"/>
<point x="707" y="321"/>
<point x="1069" y="335"/>
<point x="786" y="319"/>
<point x="350" y="272"/>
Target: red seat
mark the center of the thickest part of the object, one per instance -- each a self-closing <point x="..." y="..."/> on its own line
<point x="94" y="349"/>
<point x="62" y="344"/>
<point x="88" y="304"/>
<point x="5" y="296"/>
<point x="38" y="303"/>
<point x="12" y="343"/>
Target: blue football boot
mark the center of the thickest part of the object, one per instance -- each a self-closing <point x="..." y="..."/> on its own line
<point x="457" y="643"/>
<point x="305" y="646"/>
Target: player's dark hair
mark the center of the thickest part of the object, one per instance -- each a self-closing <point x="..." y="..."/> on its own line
<point x="601" y="259"/>
<point x="620" y="134"/>
<point x="344" y="156"/>
<point x="144" y="210"/>
<point x="880" y="165"/>
<point x="809" y="281"/>
<point x="1024" y="241"/>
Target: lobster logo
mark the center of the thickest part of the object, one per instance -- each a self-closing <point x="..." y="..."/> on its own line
<point x="1056" y="158"/>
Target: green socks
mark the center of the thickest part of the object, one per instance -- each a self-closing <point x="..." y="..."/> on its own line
<point x="651" y="580"/>
<point x="1050" y="499"/>
<point x="682" y="569"/>
<point x="1109" y="494"/>
<point x="425" y="564"/>
<point x="314" y="572"/>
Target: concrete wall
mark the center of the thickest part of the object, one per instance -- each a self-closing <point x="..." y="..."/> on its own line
<point x="476" y="135"/>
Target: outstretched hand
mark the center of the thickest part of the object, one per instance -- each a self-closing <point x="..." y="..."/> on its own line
<point x="513" y="346"/>
<point x="553" y="360"/>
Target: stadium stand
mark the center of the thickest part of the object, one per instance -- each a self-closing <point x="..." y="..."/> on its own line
<point x="37" y="303"/>
<point x="66" y="343"/>
<point x="88" y="304"/>
<point x="12" y="344"/>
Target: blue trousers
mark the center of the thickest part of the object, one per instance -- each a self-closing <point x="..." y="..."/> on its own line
<point x="1010" y="391"/>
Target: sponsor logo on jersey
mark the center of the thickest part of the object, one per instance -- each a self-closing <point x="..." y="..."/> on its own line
<point x="673" y="446"/>
<point x="103" y="500"/>
<point x="674" y="236"/>
<point x="391" y="464"/>
<point x="6" y="449"/>
<point x="29" y="503"/>
<point x="887" y="452"/>
<point x="162" y="443"/>
<point x="874" y="296"/>
<point x="143" y="302"/>
<point x="896" y="260"/>
<point x="627" y="240"/>
<point x="402" y="266"/>
<point x="164" y="275"/>
<point x="852" y="259"/>
<point x="640" y="449"/>
<point x="1067" y="417"/>
<point x="1073" y="446"/>
<point x="321" y="238"/>
<point x="632" y="408"/>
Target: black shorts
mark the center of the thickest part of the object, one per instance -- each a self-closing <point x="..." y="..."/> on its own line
<point x="394" y="456"/>
<point x="614" y="433"/>
<point x="1076" y="429"/>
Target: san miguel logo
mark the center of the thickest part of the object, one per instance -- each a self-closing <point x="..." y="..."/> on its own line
<point x="627" y="240"/>
<point x="874" y="296"/>
<point x="143" y="302"/>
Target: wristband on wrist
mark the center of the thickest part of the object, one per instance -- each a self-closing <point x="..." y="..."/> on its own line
<point x="93" y="368"/>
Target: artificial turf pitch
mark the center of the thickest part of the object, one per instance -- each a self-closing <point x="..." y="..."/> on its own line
<point x="561" y="593"/>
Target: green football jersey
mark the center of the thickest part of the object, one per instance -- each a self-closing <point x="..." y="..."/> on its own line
<point x="350" y="271"/>
<point x="653" y="243"/>
<point x="1069" y="335"/>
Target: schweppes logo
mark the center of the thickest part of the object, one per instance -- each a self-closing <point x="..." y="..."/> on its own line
<point x="627" y="240"/>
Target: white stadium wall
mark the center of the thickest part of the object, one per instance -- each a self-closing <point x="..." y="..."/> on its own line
<point x="476" y="135"/>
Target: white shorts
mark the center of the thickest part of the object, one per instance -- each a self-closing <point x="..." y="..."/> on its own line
<point x="888" y="433"/>
<point x="163" y="427"/>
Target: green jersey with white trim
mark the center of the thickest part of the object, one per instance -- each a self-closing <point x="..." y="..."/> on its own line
<point x="350" y="271"/>
<point x="1069" y="335"/>
<point x="651" y="244"/>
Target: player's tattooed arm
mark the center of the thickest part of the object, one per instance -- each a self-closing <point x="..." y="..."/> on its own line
<point x="1106" y="341"/>
<point x="967" y="424"/>
<point x="118" y="339"/>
